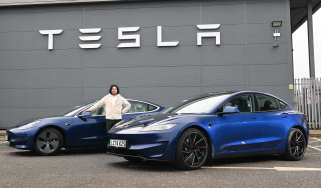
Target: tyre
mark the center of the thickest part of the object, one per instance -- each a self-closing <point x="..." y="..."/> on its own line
<point x="133" y="159"/>
<point x="296" y="145"/>
<point x="48" y="141"/>
<point x="192" y="150"/>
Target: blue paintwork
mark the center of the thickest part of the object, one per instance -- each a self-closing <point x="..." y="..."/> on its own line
<point x="244" y="133"/>
<point x="79" y="132"/>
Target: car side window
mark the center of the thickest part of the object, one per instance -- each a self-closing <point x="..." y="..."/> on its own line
<point x="99" y="112"/>
<point x="265" y="103"/>
<point x="243" y="102"/>
<point x="283" y="105"/>
<point x="137" y="106"/>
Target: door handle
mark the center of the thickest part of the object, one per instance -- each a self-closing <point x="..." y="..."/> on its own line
<point x="284" y="115"/>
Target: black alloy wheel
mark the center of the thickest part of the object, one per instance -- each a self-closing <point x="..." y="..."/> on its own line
<point x="296" y="145"/>
<point x="193" y="150"/>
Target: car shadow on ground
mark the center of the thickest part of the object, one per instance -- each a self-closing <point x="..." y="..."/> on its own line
<point x="19" y="153"/>
<point x="167" y="166"/>
<point x="155" y="166"/>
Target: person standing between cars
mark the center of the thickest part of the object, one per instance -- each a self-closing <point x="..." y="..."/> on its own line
<point x="115" y="105"/>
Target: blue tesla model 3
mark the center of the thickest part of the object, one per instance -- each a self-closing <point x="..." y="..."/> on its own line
<point x="76" y="129"/>
<point x="212" y="126"/>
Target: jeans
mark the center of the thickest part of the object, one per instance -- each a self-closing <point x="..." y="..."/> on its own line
<point x="110" y="123"/>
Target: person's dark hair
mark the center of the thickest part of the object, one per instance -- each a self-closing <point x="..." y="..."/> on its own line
<point x="111" y="87"/>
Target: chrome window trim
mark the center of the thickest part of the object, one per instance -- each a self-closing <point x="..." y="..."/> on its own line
<point x="157" y="107"/>
<point x="91" y="104"/>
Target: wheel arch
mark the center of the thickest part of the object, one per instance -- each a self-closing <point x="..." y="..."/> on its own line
<point x="62" y="132"/>
<point x="203" y="130"/>
<point x="303" y="131"/>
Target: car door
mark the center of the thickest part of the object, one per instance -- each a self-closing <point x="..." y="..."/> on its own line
<point x="271" y="114"/>
<point x="89" y="130"/>
<point x="236" y="132"/>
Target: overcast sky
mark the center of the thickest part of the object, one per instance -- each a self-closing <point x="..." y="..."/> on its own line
<point x="300" y="48"/>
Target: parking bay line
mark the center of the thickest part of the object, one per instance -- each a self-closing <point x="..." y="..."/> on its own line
<point x="314" y="148"/>
<point x="277" y="168"/>
<point x="316" y="139"/>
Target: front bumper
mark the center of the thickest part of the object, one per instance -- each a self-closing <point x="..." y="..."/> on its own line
<point x="20" y="139"/>
<point x="147" y="146"/>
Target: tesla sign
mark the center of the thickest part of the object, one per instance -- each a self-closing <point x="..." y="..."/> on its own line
<point x="129" y="37"/>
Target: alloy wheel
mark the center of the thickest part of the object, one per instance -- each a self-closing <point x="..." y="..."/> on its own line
<point x="48" y="141"/>
<point x="297" y="144"/>
<point x="193" y="149"/>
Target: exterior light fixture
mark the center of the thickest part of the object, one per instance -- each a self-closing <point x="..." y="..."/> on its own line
<point x="276" y="24"/>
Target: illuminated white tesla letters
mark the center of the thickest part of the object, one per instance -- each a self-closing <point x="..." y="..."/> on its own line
<point x="90" y="38"/>
<point x="201" y="35"/>
<point x="123" y="36"/>
<point x="50" y="34"/>
<point x="160" y="41"/>
<point x="128" y="37"/>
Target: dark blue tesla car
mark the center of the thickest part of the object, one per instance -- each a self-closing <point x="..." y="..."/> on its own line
<point x="212" y="126"/>
<point x="76" y="129"/>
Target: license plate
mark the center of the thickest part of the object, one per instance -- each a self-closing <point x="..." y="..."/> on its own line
<point x="117" y="143"/>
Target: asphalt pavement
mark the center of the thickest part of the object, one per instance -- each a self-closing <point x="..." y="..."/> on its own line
<point x="97" y="169"/>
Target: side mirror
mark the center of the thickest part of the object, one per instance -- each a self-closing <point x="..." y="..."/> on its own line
<point x="84" y="114"/>
<point x="229" y="110"/>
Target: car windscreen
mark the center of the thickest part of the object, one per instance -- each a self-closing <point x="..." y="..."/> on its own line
<point x="76" y="110"/>
<point x="203" y="105"/>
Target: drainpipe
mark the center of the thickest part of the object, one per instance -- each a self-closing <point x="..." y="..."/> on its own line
<point x="310" y="39"/>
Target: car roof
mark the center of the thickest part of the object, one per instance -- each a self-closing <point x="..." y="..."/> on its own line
<point x="138" y="100"/>
<point x="236" y="92"/>
<point x="232" y="92"/>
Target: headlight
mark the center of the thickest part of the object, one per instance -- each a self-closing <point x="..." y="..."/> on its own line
<point x="29" y="125"/>
<point x="123" y="123"/>
<point x="150" y="128"/>
<point x="158" y="127"/>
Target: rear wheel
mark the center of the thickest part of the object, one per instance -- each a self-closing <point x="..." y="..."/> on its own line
<point x="192" y="150"/>
<point x="48" y="141"/>
<point x="296" y="145"/>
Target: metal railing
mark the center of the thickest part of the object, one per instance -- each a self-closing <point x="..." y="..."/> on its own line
<point x="307" y="98"/>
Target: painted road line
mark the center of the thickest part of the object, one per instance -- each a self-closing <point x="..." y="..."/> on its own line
<point x="277" y="168"/>
<point x="314" y="148"/>
<point x="311" y="142"/>
<point x="316" y="138"/>
<point x="5" y="142"/>
<point x="238" y="168"/>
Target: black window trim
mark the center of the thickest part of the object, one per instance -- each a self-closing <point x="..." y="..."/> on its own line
<point x="155" y="110"/>
<point x="275" y="98"/>
<point x="237" y="95"/>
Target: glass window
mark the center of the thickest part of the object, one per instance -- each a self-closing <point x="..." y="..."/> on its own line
<point x="151" y="107"/>
<point x="243" y="102"/>
<point x="283" y="105"/>
<point x="137" y="106"/>
<point x="99" y="112"/>
<point x="201" y="106"/>
<point x="266" y="103"/>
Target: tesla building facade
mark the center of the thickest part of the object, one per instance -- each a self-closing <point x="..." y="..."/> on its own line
<point x="58" y="54"/>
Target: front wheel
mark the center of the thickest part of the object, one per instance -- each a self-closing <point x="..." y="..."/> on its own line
<point x="48" y="141"/>
<point x="296" y="145"/>
<point x="192" y="150"/>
